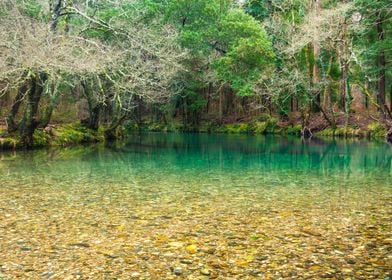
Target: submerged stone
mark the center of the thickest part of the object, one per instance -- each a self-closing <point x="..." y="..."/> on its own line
<point x="177" y="271"/>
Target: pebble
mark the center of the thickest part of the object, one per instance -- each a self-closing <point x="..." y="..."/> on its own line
<point x="262" y="258"/>
<point x="25" y="249"/>
<point x="48" y="275"/>
<point x="205" y="272"/>
<point x="209" y="251"/>
<point x="351" y="261"/>
<point x="177" y="271"/>
<point x="169" y="255"/>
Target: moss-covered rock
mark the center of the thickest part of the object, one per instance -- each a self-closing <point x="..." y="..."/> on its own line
<point x="76" y="134"/>
<point x="8" y="143"/>
<point x="62" y="135"/>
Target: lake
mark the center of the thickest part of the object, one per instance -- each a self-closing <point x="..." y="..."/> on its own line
<point x="198" y="206"/>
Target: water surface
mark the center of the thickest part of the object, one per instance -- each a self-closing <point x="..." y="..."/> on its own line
<point x="209" y="206"/>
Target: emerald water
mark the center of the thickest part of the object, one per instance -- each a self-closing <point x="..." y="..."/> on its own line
<point x="198" y="206"/>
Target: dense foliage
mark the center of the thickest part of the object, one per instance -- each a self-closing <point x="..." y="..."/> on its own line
<point x="193" y="60"/>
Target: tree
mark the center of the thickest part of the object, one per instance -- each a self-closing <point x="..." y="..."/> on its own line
<point x="112" y="63"/>
<point x="228" y="48"/>
<point x="374" y="40"/>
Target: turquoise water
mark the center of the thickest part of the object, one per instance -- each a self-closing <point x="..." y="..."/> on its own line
<point x="282" y="200"/>
<point x="236" y="161"/>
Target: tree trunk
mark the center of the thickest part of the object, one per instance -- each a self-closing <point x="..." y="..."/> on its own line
<point x="94" y="109"/>
<point x="347" y="96"/>
<point x="390" y="99"/>
<point x="55" y="14"/>
<point x="92" y="122"/>
<point x="221" y="104"/>
<point x="342" y="89"/>
<point x="30" y="119"/>
<point x="344" y="59"/>
<point x="327" y="100"/>
<point x="47" y="116"/>
<point x="315" y="71"/>
<point x="111" y="132"/>
<point x="366" y="97"/>
<point x="382" y="72"/>
<point x="12" y="125"/>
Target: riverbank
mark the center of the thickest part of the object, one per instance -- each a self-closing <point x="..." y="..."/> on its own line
<point x="73" y="134"/>
<point x="55" y="135"/>
<point x="373" y="131"/>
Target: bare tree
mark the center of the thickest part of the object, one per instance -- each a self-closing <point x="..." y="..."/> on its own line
<point x="138" y="63"/>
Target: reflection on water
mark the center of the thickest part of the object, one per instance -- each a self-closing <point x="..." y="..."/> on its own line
<point x="255" y="161"/>
<point x="255" y="207"/>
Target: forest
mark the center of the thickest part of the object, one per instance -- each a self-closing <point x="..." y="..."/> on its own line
<point x="196" y="139"/>
<point x="85" y="70"/>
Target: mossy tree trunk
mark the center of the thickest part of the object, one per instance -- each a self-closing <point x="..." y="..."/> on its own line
<point x="30" y="119"/>
<point x="94" y="108"/>
<point x="11" y="118"/>
<point x="47" y="115"/>
<point x="53" y="101"/>
<point x="111" y="132"/>
<point x="382" y="64"/>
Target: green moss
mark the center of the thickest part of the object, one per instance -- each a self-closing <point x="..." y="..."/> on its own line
<point x="8" y="143"/>
<point x="263" y="124"/>
<point x="76" y="134"/>
<point x="342" y="132"/>
<point x="174" y="127"/>
<point x="40" y="138"/>
<point x="132" y="127"/>
<point x="155" y="127"/>
<point x="258" y="127"/>
<point x="63" y="135"/>
<point x="272" y="124"/>
<point x="326" y="132"/>
<point x="119" y="133"/>
<point x="377" y="130"/>
<point x="293" y="130"/>
<point x="235" y="128"/>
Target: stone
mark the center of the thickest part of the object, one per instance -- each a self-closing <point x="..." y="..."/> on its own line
<point x="25" y="249"/>
<point x="177" y="271"/>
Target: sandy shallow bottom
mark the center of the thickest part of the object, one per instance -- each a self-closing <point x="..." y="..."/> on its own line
<point x="86" y="232"/>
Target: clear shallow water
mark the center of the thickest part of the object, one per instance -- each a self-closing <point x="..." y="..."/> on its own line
<point x="254" y="207"/>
